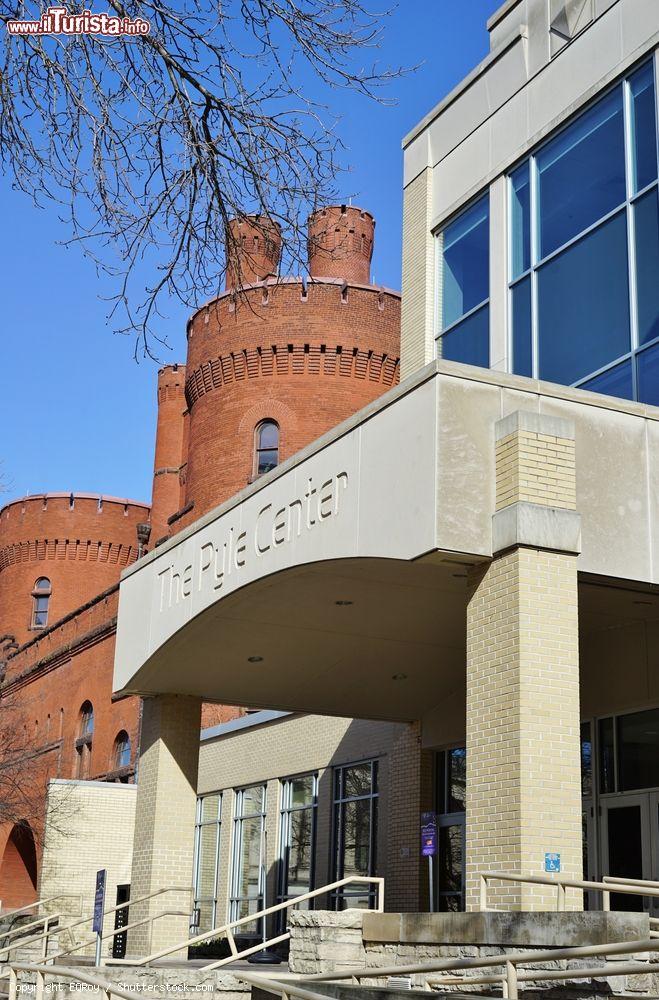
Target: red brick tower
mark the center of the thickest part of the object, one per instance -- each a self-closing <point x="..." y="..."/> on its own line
<point x="340" y="243"/>
<point x="301" y="356"/>
<point x="58" y="551"/>
<point x="170" y="448"/>
<point x="253" y="250"/>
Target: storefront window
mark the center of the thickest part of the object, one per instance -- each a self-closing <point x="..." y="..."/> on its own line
<point x="584" y="217"/>
<point x="297" y="837"/>
<point x="450" y="805"/>
<point x="247" y="862"/>
<point x="355" y="831"/>
<point x="206" y="855"/>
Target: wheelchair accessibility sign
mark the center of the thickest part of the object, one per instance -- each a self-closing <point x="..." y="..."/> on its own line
<point x="552" y="862"/>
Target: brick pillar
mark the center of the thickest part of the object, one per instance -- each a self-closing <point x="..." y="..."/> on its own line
<point x="410" y="794"/>
<point x="164" y="820"/>
<point x="523" y="751"/>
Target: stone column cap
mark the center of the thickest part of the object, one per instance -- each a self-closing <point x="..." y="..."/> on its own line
<point x="536" y="526"/>
<point x="537" y="423"/>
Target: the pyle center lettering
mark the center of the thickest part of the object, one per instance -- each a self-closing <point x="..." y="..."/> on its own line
<point x="274" y="526"/>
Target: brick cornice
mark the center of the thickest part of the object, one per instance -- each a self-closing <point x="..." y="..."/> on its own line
<point x="272" y="360"/>
<point x="83" y="550"/>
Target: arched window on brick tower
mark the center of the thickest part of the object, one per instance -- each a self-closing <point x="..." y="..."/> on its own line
<point x="84" y="740"/>
<point x="266" y="447"/>
<point x="40" y="600"/>
<point x="121" y="752"/>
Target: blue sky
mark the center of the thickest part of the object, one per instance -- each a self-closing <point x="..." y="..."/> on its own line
<point x="78" y="412"/>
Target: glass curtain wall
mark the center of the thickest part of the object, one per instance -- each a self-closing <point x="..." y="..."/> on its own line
<point x="464" y="287"/>
<point x="206" y="854"/>
<point x="246" y="868"/>
<point x="355" y="831"/>
<point x="584" y="249"/>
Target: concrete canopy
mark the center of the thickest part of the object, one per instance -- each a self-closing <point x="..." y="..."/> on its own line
<point x="386" y="512"/>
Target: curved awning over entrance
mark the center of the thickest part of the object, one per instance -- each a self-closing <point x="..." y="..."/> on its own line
<point x="336" y="584"/>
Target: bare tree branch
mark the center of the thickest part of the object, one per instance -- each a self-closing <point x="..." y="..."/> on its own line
<point x="149" y="145"/>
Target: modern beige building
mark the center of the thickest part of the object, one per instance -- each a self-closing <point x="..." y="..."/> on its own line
<point x="289" y="802"/>
<point x="476" y="554"/>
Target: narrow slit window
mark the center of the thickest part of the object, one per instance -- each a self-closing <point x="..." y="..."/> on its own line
<point x="41" y="594"/>
<point x="266" y="447"/>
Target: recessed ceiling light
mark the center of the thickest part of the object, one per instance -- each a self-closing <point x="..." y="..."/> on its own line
<point x="342" y="604"/>
<point x="399" y="677"/>
<point x="254" y="659"/>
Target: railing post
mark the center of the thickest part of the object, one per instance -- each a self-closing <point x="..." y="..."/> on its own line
<point x="483" y="892"/>
<point x="39" y="985"/>
<point x="606" y="900"/>
<point x="44" y="945"/>
<point x="13" y="984"/>
<point x="560" y="896"/>
<point x="511" y="980"/>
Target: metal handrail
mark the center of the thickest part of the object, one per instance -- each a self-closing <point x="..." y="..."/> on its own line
<point x="227" y="928"/>
<point x="26" y="941"/>
<point x="42" y="902"/>
<point x="50" y="933"/>
<point x="509" y="961"/>
<point x="283" y="989"/>
<point x="634" y="887"/>
<point x="119" y="930"/>
<point x="618" y="880"/>
<point x="39" y="922"/>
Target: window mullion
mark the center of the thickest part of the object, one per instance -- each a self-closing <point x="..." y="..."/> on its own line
<point x="631" y="235"/>
<point x="534" y="209"/>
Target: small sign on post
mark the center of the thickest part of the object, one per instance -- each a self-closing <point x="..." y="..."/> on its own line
<point x="429" y="849"/>
<point x="99" y="907"/>
<point x="552" y="862"/>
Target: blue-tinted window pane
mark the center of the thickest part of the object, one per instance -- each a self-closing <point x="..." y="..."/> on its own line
<point x="646" y="229"/>
<point x="583" y="305"/>
<point x="268" y="435"/>
<point x="614" y="382"/>
<point x="465" y="277"/>
<point x="520" y="219"/>
<point x="521" y="316"/>
<point x="267" y="461"/>
<point x="643" y="127"/>
<point x="581" y="174"/>
<point x="648" y="375"/>
<point x="469" y="342"/>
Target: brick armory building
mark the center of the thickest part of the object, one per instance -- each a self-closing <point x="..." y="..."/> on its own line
<point x="269" y="369"/>
<point x="473" y="555"/>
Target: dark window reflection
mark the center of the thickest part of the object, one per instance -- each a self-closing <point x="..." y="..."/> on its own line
<point x="606" y="756"/>
<point x="586" y="760"/>
<point x="638" y="746"/>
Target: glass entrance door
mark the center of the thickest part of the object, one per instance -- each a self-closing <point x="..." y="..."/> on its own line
<point x="627" y="843"/>
<point x="654" y="835"/>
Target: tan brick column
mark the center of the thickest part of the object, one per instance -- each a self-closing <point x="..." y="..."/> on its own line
<point x="410" y="794"/>
<point x="164" y="820"/>
<point x="523" y="753"/>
